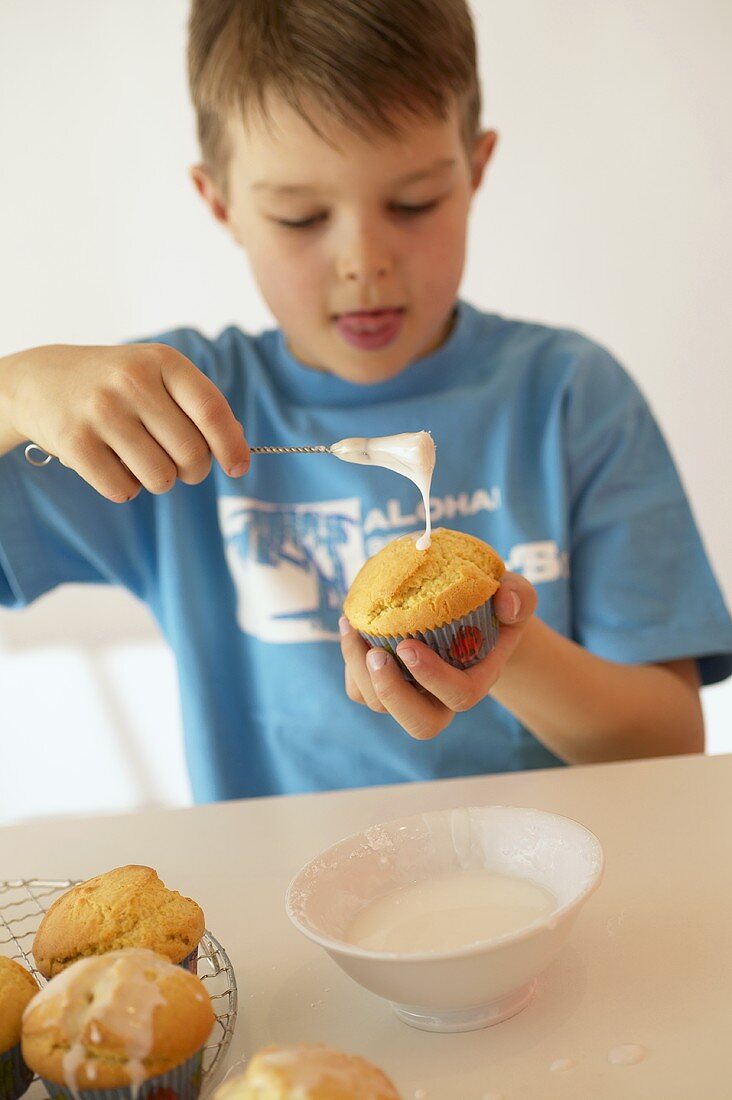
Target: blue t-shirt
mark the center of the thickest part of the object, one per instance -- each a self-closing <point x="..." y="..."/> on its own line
<point x="545" y="449"/>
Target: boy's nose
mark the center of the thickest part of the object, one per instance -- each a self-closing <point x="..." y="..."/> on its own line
<point x="356" y="272"/>
<point x="363" y="260"/>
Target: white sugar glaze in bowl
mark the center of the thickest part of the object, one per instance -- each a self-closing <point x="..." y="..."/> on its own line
<point x="470" y="986"/>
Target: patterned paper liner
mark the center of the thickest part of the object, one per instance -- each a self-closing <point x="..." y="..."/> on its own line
<point x="462" y="643"/>
<point x="181" y="1083"/>
<point x="15" y="1077"/>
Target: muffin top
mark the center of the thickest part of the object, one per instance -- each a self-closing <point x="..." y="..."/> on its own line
<point x="403" y="590"/>
<point x="115" y="1020"/>
<point x="127" y="907"/>
<point x="17" y="987"/>
<point x="306" y="1072"/>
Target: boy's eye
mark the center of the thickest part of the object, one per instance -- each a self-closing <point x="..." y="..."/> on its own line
<point x="404" y="208"/>
<point x="414" y="208"/>
<point x="301" y="223"/>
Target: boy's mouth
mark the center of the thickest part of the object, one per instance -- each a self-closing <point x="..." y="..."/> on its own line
<point x="369" y="329"/>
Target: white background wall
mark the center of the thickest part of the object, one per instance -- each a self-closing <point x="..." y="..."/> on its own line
<point x="606" y="208"/>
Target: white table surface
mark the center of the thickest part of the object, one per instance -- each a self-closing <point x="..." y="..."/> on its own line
<point x="648" y="962"/>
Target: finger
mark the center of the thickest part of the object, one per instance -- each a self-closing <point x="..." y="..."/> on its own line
<point x="452" y="687"/>
<point x="179" y="438"/>
<point x="460" y="689"/>
<point x="142" y="455"/>
<point x="97" y="464"/>
<point x="351" y="690"/>
<point x="354" y="650"/>
<point x="209" y="410"/>
<point x="515" y="600"/>
<point x="420" y="715"/>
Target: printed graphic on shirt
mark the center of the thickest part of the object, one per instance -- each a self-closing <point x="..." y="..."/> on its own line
<point x="388" y="522"/>
<point x="539" y="561"/>
<point x="292" y="565"/>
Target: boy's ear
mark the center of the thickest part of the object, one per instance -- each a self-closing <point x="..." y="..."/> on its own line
<point x="211" y="193"/>
<point x="485" y="143"/>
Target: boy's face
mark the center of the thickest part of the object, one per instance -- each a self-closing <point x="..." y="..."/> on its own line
<point x="357" y="244"/>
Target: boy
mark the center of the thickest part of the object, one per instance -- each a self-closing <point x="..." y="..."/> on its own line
<point x="341" y="150"/>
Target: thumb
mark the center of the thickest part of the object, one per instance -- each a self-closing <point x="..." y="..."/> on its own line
<point x="515" y="601"/>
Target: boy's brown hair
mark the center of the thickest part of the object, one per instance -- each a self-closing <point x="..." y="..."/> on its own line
<point x="366" y="62"/>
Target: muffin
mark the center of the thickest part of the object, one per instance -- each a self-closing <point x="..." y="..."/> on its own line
<point x="127" y="907"/>
<point x="17" y="988"/>
<point x="441" y="596"/>
<point x="307" y="1072"/>
<point x="129" y="1023"/>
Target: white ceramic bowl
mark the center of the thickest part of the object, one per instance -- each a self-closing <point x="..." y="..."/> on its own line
<point x="473" y="986"/>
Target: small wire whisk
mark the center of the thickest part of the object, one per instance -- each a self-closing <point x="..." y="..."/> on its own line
<point x="291" y="450"/>
<point x="38" y="457"/>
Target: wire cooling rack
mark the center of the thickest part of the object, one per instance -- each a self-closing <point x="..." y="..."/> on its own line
<point x="23" y="903"/>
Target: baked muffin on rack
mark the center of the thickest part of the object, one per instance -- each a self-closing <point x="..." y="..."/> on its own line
<point x="441" y="596"/>
<point x="307" y="1072"/>
<point x="17" y="988"/>
<point x="127" y="907"/>
<point x="119" y="1021"/>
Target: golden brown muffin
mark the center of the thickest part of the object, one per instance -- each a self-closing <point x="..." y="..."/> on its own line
<point x="127" y="907"/>
<point x="17" y="987"/>
<point x="403" y="591"/>
<point x="116" y="1020"/>
<point x="307" y="1072"/>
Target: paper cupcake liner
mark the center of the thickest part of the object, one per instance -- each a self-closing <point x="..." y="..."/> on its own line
<point x="190" y="962"/>
<point x="15" y="1077"/>
<point x="181" y="1083"/>
<point x="462" y="643"/>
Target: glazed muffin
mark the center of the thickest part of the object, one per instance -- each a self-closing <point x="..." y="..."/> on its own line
<point x="441" y="596"/>
<point x="127" y="907"/>
<point x="128" y="1020"/>
<point x="306" y="1072"/>
<point x="17" y="988"/>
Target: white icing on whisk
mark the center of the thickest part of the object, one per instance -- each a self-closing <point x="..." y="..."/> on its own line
<point x="411" y="454"/>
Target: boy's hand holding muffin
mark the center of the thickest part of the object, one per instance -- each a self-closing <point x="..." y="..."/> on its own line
<point x="452" y="616"/>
